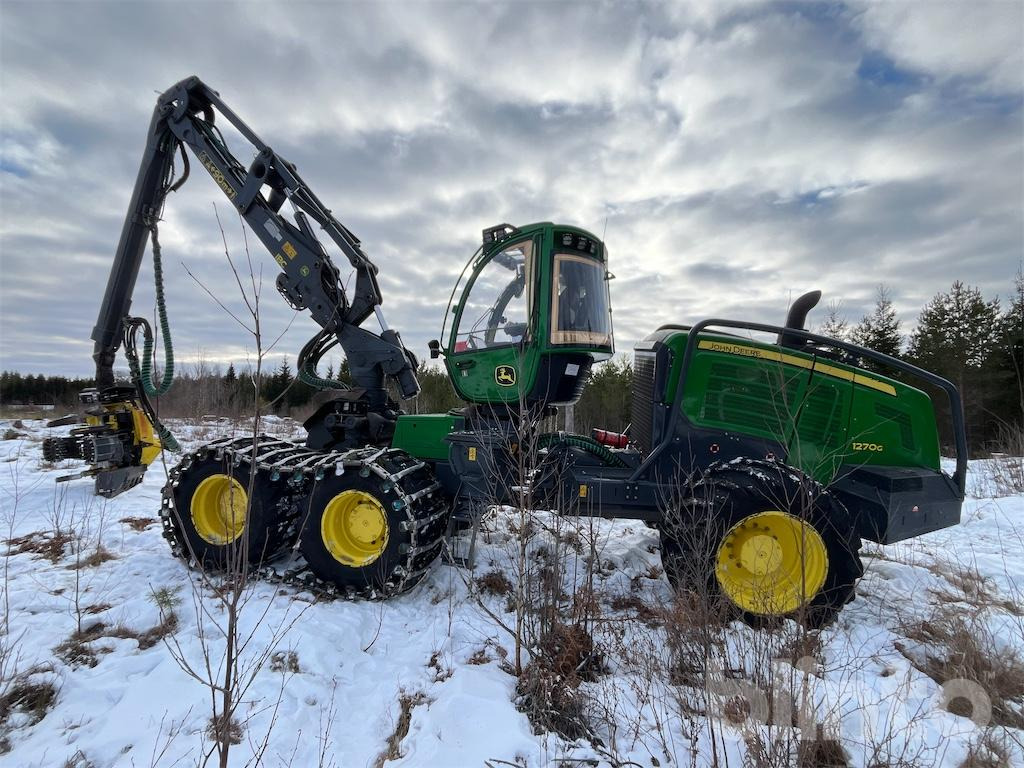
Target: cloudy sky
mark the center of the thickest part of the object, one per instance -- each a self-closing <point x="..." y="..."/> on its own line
<point x="735" y="156"/>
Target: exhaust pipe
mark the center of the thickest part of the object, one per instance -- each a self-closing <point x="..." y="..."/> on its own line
<point x="797" y="317"/>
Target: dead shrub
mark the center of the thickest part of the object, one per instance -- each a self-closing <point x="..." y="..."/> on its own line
<point x="441" y="670"/>
<point x="285" y="661"/>
<point x="821" y="753"/>
<point x="548" y="689"/>
<point x="79" y="760"/>
<point x="494" y="582"/>
<point x="224" y="730"/>
<point x="1005" y="467"/>
<point x="148" y="638"/>
<point x="551" y="703"/>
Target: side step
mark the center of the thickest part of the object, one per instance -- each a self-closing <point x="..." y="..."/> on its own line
<point x="459" y="550"/>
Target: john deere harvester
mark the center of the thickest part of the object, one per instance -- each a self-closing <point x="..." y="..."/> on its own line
<point x="763" y="454"/>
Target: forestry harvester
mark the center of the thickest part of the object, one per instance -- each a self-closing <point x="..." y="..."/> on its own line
<point x="763" y="454"/>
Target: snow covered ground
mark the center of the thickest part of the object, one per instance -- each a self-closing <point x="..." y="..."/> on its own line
<point x="334" y="673"/>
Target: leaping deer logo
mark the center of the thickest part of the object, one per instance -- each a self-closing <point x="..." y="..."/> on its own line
<point x="505" y="376"/>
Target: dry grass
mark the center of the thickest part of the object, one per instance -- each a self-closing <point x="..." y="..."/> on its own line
<point x="823" y="753"/>
<point x="961" y="647"/>
<point x="640" y="610"/>
<point x="98" y="556"/>
<point x="77" y="650"/>
<point x="1005" y="476"/>
<point x="138" y="523"/>
<point x="26" y="696"/>
<point x="987" y="751"/>
<point x="406" y="703"/>
<point x="49" y="545"/>
<point x="441" y="670"/>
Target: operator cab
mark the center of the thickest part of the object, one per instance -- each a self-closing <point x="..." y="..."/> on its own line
<point x="530" y="315"/>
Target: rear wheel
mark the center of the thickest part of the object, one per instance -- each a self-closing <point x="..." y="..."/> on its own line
<point x="375" y="532"/>
<point x="764" y="542"/>
<point x="220" y="520"/>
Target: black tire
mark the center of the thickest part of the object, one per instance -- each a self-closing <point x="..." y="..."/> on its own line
<point x="414" y="537"/>
<point x="729" y="494"/>
<point x="261" y="538"/>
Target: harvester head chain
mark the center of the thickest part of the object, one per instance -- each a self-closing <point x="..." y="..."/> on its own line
<point x="417" y="495"/>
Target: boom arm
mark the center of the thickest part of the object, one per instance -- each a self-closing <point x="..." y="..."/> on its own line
<point x="184" y="117"/>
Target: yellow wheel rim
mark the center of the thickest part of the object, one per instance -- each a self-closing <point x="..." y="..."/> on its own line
<point x="218" y="509"/>
<point x="354" y="528"/>
<point x="771" y="563"/>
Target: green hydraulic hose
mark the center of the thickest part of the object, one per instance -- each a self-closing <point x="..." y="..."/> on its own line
<point x="308" y="375"/>
<point x="150" y="387"/>
<point x="587" y="444"/>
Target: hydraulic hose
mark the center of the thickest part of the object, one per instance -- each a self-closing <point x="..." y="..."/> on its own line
<point x="150" y="387"/>
<point x="585" y="443"/>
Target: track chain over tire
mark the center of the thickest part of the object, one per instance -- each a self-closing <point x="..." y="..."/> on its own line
<point x="414" y="492"/>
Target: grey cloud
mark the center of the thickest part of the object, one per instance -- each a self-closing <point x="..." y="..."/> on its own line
<point x="737" y="154"/>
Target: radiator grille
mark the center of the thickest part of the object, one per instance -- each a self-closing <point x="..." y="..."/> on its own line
<point x="643" y="390"/>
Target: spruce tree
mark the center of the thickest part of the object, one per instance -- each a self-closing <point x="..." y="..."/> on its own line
<point x="835" y="325"/>
<point x="1008" y="404"/>
<point x="956" y="336"/>
<point x="880" y="330"/>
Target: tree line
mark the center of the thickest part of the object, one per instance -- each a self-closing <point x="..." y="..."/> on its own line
<point x="963" y="337"/>
<point x="972" y="341"/>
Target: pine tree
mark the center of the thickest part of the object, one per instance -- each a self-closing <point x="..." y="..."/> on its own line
<point x="880" y="330"/>
<point x="230" y="377"/>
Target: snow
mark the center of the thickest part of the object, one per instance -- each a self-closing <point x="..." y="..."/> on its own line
<point x="438" y="648"/>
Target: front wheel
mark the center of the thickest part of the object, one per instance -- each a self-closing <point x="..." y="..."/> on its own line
<point x="374" y="532"/>
<point x="765" y="542"/>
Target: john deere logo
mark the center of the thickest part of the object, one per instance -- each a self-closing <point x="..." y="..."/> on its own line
<point x="505" y="375"/>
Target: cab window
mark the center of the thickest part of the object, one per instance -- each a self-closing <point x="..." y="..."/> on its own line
<point x="579" y="303"/>
<point x="496" y="311"/>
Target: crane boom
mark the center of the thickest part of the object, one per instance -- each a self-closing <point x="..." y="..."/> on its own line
<point x="184" y="117"/>
<point x="119" y="439"/>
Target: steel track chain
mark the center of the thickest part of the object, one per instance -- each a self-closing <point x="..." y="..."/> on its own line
<point x="409" y="482"/>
